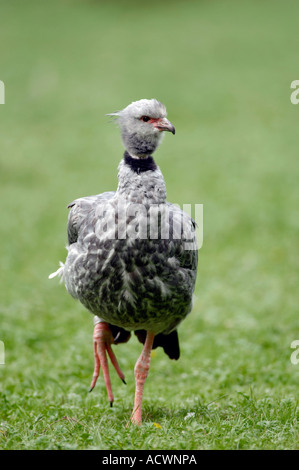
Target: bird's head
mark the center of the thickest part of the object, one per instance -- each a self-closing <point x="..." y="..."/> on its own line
<point x="142" y="124"/>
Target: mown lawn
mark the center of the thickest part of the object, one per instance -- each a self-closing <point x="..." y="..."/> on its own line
<point x="224" y="70"/>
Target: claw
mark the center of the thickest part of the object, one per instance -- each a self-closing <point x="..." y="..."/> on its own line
<point x="103" y="339"/>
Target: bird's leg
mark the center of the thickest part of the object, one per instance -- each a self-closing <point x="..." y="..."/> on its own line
<point x="102" y="340"/>
<point x="141" y="372"/>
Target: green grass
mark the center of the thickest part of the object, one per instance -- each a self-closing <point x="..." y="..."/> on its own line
<point x="224" y="71"/>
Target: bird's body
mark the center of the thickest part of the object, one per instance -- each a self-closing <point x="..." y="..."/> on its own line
<point x="127" y="259"/>
<point x="133" y="283"/>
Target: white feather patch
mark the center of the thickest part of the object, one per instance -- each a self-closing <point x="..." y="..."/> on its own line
<point x="59" y="272"/>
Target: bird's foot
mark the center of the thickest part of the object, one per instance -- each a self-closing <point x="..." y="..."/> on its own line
<point x="102" y="340"/>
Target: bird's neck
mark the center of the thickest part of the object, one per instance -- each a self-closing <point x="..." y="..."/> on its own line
<point x="140" y="145"/>
<point x="141" y="180"/>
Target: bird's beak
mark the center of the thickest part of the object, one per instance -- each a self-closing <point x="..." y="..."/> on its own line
<point x="163" y="124"/>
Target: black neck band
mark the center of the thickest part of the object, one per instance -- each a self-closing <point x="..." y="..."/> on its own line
<point x="140" y="165"/>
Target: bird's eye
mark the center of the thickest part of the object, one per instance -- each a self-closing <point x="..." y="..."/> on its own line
<point x="145" y="118"/>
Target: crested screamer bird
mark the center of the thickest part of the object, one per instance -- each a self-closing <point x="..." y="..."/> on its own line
<point x="132" y="256"/>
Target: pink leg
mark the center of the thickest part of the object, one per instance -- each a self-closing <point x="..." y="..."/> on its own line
<point x="103" y="339"/>
<point x="141" y="372"/>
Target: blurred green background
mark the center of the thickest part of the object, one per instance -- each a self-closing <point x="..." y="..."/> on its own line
<point x="223" y="69"/>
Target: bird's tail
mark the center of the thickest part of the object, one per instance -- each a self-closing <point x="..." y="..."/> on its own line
<point x="59" y="272"/>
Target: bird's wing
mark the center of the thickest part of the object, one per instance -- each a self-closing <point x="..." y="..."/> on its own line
<point x="182" y="232"/>
<point x="79" y="209"/>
